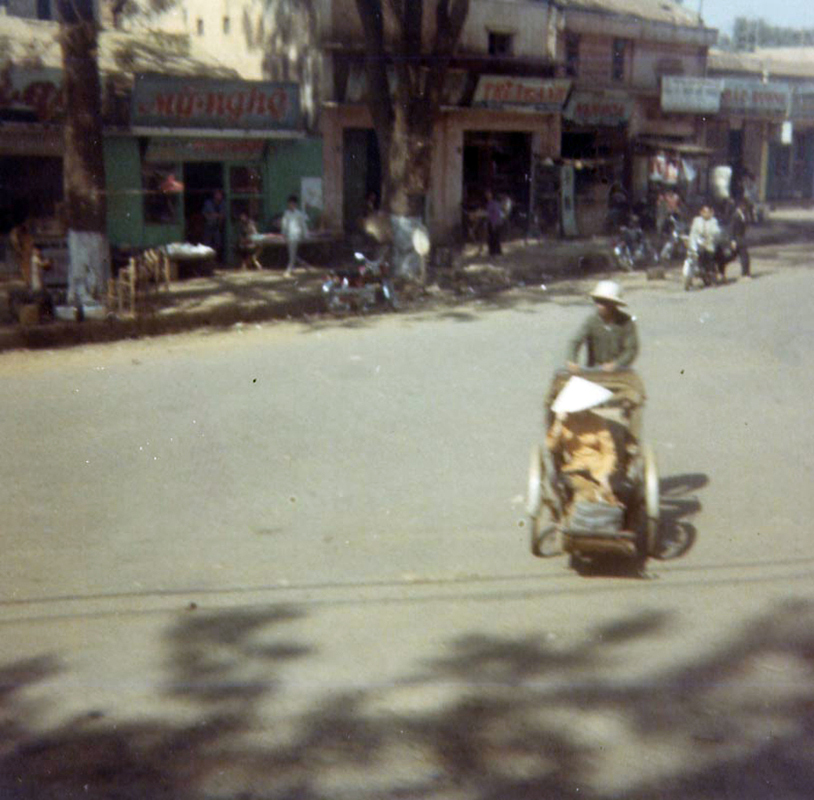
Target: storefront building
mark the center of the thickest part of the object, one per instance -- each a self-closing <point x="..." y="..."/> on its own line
<point x="800" y="151"/>
<point x="169" y="142"/>
<point x="32" y="107"/>
<point x="595" y="135"/>
<point x="615" y="127"/>
<point x="766" y="122"/>
<point x="501" y="111"/>
<point x="189" y="138"/>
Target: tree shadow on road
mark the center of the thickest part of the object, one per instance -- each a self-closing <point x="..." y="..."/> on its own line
<point x="488" y="717"/>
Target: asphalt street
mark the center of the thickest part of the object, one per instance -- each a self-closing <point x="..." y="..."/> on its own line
<point x="291" y="561"/>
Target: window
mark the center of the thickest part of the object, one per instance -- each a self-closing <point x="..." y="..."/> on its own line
<point x="571" y="55"/>
<point x="200" y="27"/>
<point x="618" y="59"/>
<point x="500" y="44"/>
<point x="162" y="193"/>
<point x="227" y="24"/>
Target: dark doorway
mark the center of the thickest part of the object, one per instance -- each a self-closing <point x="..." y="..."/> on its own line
<point x="30" y="187"/>
<point x="735" y="147"/>
<point x="362" y="171"/>
<point x="201" y="179"/>
<point x="500" y="161"/>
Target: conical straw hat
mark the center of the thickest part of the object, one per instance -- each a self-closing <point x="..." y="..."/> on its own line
<point x="579" y="394"/>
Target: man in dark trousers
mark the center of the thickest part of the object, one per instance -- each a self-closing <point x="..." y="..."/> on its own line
<point x="740" y="222"/>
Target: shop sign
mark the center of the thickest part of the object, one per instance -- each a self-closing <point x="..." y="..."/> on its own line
<point x="166" y="101"/>
<point x="692" y="95"/>
<point x="802" y="102"/>
<point x="520" y="94"/>
<point x="38" y="91"/>
<point x="598" y="108"/>
<point x="171" y="149"/>
<point x="754" y="98"/>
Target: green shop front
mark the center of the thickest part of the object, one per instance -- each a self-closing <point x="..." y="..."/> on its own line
<point x="189" y="138"/>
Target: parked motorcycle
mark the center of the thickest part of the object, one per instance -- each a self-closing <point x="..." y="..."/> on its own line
<point x="709" y="267"/>
<point x="360" y="287"/>
<point x="633" y="249"/>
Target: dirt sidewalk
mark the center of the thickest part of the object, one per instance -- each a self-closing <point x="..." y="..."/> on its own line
<point x="230" y="297"/>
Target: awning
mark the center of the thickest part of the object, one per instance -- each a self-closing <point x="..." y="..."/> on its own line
<point x="673" y="146"/>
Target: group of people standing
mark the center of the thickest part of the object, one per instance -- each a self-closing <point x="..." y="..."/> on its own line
<point x="293" y="226"/>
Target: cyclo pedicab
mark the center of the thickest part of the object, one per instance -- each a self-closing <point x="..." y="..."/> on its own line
<point x="622" y="521"/>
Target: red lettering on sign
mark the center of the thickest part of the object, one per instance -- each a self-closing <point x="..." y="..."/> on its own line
<point x="508" y="91"/>
<point x="45" y="98"/>
<point x="233" y="107"/>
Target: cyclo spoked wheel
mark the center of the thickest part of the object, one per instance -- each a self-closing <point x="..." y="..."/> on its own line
<point x="652" y="501"/>
<point x="542" y="525"/>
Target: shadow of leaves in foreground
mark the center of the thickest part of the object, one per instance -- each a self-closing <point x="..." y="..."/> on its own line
<point x="511" y="717"/>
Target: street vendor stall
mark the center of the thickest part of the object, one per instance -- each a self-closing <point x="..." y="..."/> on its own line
<point x="317" y="246"/>
<point x="659" y="163"/>
<point x="186" y="258"/>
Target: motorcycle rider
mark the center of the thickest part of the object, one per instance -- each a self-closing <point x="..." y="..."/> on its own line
<point x="705" y="233"/>
<point x="609" y="334"/>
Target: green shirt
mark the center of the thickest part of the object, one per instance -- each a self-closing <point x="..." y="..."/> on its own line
<point x="615" y="341"/>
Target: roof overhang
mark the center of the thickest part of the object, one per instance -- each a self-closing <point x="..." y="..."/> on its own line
<point x="211" y="133"/>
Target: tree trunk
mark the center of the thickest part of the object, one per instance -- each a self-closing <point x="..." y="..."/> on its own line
<point x="409" y="161"/>
<point x="404" y="116"/>
<point x="84" y="168"/>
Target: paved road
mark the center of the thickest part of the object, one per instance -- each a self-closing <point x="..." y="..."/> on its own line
<point x="292" y="562"/>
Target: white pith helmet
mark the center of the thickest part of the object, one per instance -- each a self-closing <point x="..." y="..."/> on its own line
<point x="608" y="292"/>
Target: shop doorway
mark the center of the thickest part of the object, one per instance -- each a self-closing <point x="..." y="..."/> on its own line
<point x="30" y="188"/>
<point x="779" y="177"/>
<point x="803" y="168"/>
<point x="500" y="161"/>
<point x="201" y="180"/>
<point x="362" y="175"/>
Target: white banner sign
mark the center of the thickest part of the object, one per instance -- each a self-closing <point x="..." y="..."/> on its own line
<point x="693" y="95"/>
<point x="755" y="98"/>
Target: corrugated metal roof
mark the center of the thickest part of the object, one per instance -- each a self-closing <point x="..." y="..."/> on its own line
<point x="34" y="43"/>
<point x="653" y="10"/>
<point x="791" y="62"/>
<point x="774" y="62"/>
<point x="726" y="61"/>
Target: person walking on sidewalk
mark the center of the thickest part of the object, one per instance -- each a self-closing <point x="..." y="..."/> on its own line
<point x="494" y="222"/>
<point x="295" y="228"/>
<point x="247" y="244"/>
<point x="22" y="243"/>
<point x="609" y="334"/>
<point x="740" y="223"/>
